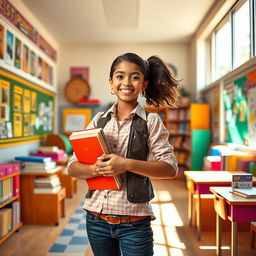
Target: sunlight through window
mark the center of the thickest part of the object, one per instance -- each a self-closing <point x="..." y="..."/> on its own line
<point x="159" y="236"/>
<point x="164" y="196"/>
<point x="176" y="252"/>
<point x="173" y="238"/>
<point x="170" y="215"/>
<point x="160" y="250"/>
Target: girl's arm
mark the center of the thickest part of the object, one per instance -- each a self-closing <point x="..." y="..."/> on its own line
<point x="82" y="171"/>
<point x="153" y="169"/>
<point x="112" y="164"/>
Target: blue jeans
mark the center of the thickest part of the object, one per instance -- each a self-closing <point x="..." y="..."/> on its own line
<point x="126" y="239"/>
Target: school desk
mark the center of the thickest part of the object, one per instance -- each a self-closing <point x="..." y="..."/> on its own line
<point x="236" y="209"/>
<point x="198" y="183"/>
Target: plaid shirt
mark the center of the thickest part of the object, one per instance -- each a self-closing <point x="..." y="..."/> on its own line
<point x="117" y="134"/>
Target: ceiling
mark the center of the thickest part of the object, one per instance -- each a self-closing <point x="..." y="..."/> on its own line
<point x="116" y="21"/>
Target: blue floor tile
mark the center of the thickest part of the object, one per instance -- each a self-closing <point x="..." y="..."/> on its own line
<point x="58" y="248"/>
<point x="79" y="240"/>
<point x="67" y="232"/>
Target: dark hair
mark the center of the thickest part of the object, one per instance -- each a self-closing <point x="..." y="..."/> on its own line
<point x="162" y="86"/>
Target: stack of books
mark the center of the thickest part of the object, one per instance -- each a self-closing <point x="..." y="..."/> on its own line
<point x="242" y="185"/>
<point x="37" y="164"/>
<point x="47" y="184"/>
<point x="53" y="152"/>
<point x="245" y="192"/>
<point x="88" y="145"/>
<point x="5" y="221"/>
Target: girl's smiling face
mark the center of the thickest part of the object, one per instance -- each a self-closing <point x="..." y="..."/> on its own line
<point x="127" y="82"/>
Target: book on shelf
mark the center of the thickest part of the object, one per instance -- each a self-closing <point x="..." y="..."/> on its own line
<point x="52" y="170"/>
<point x="39" y="166"/>
<point x="55" y="156"/>
<point x="245" y="192"/>
<point x="50" y="190"/>
<point x="88" y="145"/>
<point x="48" y="181"/>
<point x="48" y="149"/>
<point x="33" y="159"/>
<point x="16" y="185"/>
<point x="5" y="221"/>
<point x="177" y="143"/>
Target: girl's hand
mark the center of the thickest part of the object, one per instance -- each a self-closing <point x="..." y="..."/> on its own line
<point x="110" y="165"/>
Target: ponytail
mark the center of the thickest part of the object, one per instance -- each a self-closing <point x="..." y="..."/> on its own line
<point x="162" y="86"/>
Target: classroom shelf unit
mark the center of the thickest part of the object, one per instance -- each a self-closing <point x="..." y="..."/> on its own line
<point x="9" y="200"/>
<point x="68" y="182"/>
<point x="41" y="209"/>
<point x="188" y="126"/>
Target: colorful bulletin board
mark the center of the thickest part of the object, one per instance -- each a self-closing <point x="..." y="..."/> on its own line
<point x="26" y="110"/>
<point x="240" y="110"/>
<point x="251" y="77"/>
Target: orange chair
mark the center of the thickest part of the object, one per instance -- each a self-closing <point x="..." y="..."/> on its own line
<point x="252" y="233"/>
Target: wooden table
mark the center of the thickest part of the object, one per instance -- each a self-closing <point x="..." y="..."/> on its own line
<point x="199" y="183"/>
<point x="236" y="209"/>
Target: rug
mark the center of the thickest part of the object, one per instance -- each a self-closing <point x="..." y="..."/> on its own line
<point x="73" y="239"/>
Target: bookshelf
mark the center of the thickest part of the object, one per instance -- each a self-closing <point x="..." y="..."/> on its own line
<point x="188" y="126"/>
<point x="41" y="209"/>
<point x="9" y="200"/>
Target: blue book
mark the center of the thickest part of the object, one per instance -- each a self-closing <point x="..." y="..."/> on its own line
<point x="33" y="159"/>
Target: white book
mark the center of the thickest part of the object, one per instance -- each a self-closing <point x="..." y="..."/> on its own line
<point x="245" y="192"/>
<point x="47" y="190"/>
<point x="53" y="170"/>
<point x="46" y="179"/>
<point x="53" y="182"/>
<point x="47" y="166"/>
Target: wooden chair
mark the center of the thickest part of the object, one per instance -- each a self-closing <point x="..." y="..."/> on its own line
<point x="252" y="233"/>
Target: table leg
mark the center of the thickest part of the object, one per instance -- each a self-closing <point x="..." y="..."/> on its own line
<point x="218" y="235"/>
<point x="190" y="208"/>
<point x="198" y="218"/>
<point x="233" y="238"/>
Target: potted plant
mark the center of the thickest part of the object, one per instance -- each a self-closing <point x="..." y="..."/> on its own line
<point x="184" y="96"/>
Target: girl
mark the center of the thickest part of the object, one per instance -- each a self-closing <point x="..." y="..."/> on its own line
<point x="118" y="221"/>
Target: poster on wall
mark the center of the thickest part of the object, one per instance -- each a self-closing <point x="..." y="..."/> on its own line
<point x="251" y="77"/>
<point x="25" y="58"/>
<point x="17" y="56"/>
<point x="82" y="72"/>
<point x="236" y="111"/>
<point x="9" y="48"/>
<point x="1" y="41"/>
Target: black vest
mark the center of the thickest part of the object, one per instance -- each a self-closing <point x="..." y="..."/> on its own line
<point x="139" y="187"/>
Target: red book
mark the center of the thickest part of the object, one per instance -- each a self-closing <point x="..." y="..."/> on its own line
<point x="16" y="185"/>
<point x="88" y="145"/>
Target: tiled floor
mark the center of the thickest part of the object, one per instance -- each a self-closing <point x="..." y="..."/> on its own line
<point x="73" y="239"/>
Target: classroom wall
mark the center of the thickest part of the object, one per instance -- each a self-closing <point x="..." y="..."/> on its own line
<point x="8" y="154"/>
<point x="99" y="57"/>
<point x="25" y="11"/>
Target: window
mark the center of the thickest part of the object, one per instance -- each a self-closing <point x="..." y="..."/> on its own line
<point x="231" y="43"/>
<point x="223" y="50"/>
<point x="241" y="31"/>
<point x="208" y="62"/>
